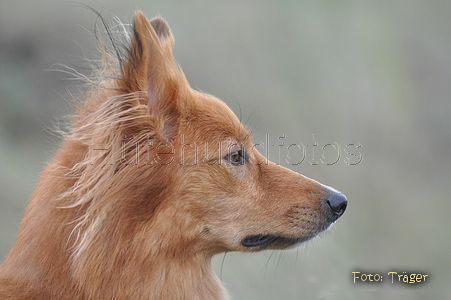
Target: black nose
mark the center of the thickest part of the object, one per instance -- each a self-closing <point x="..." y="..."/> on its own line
<point x="337" y="202"/>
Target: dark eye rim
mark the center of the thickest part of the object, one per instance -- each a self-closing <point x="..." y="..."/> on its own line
<point x="241" y="157"/>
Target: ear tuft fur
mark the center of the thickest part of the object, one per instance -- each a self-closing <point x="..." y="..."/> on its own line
<point x="161" y="28"/>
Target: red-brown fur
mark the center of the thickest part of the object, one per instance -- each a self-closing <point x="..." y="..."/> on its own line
<point x="134" y="204"/>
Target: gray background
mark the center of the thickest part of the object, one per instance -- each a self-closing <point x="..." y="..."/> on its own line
<point x="374" y="73"/>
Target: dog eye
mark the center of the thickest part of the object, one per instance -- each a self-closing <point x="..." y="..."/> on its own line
<point x="236" y="157"/>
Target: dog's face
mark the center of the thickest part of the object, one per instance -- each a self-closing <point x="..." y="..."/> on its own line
<point x="200" y="181"/>
<point x="243" y="201"/>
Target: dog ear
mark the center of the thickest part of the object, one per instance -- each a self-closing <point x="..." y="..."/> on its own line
<point x="151" y="68"/>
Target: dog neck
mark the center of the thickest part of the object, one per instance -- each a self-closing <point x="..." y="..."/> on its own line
<point x="190" y="279"/>
<point x="142" y="268"/>
<point x="151" y="266"/>
<point x="161" y="276"/>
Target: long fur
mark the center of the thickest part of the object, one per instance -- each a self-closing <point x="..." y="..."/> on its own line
<point x="144" y="190"/>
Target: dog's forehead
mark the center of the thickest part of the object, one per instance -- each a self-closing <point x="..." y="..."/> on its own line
<point x="216" y="120"/>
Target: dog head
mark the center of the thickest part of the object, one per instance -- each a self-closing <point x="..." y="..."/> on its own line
<point x="173" y="162"/>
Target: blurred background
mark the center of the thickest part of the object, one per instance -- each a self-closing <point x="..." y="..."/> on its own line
<point x="363" y="87"/>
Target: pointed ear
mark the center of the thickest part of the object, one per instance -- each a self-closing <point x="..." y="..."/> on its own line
<point x="151" y="69"/>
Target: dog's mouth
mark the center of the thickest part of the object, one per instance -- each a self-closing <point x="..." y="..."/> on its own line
<point x="264" y="241"/>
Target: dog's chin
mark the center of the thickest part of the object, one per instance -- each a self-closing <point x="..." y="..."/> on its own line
<point x="270" y="241"/>
<point x="260" y="242"/>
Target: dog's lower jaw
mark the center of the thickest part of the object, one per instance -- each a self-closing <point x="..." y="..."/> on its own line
<point x="258" y="242"/>
<point x="261" y="242"/>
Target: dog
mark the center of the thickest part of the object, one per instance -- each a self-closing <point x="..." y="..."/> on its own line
<point x="152" y="180"/>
